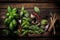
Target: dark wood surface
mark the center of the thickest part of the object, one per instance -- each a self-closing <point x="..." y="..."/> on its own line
<point x="29" y="1"/>
<point x="28" y="5"/>
<point x="45" y="10"/>
<point x="26" y="1"/>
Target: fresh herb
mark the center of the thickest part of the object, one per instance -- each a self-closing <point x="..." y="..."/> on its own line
<point x="44" y="22"/>
<point x="11" y="17"/>
<point x="25" y="23"/>
<point x="36" y="9"/>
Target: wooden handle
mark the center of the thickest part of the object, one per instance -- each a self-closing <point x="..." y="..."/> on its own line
<point x="53" y="20"/>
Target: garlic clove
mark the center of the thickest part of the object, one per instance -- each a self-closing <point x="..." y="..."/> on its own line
<point x="32" y="16"/>
<point x="19" y="21"/>
<point x="47" y="26"/>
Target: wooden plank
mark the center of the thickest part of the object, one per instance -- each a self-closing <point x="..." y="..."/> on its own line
<point x="43" y="10"/>
<point x="28" y="5"/>
<point x="14" y="1"/>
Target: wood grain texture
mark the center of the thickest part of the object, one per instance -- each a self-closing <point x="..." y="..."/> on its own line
<point x="27" y="1"/>
<point x="28" y="5"/>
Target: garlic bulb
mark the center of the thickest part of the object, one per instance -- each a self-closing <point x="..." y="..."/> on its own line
<point x="32" y="16"/>
<point x="19" y="21"/>
<point x="47" y="26"/>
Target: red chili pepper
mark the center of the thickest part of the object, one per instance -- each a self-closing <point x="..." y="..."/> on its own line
<point x="37" y="16"/>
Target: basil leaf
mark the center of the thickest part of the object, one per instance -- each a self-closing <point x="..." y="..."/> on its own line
<point x="22" y="9"/>
<point x="36" y="9"/>
<point x="26" y="14"/>
<point x="25" y="32"/>
<point x="11" y="26"/>
<point x="7" y="14"/>
<point x="14" y="10"/>
<point x="6" y="32"/>
<point x="14" y="22"/>
<point x="16" y="32"/>
<point x="9" y="9"/>
<point x="21" y="14"/>
<point x="36" y="32"/>
<point x="26" y="26"/>
<point x="6" y="20"/>
<point x="23" y="23"/>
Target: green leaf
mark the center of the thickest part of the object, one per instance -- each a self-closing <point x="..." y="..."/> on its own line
<point x="25" y="32"/>
<point x="41" y="30"/>
<point x="26" y="19"/>
<point x="44" y="22"/>
<point x="10" y="19"/>
<point x="25" y="11"/>
<point x="6" y="32"/>
<point x="6" y="21"/>
<point x="15" y="14"/>
<point x="36" y="9"/>
<point x="21" y="14"/>
<point x="22" y="9"/>
<point x="26" y="14"/>
<point x="11" y="14"/>
<point x="16" y="32"/>
<point x="42" y="27"/>
<point x="14" y="22"/>
<point x="23" y="23"/>
<point x="36" y="32"/>
<point x="25" y="26"/>
<point x="11" y="27"/>
<point x="30" y="31"/>
<point x="9" y="9"/>
<point x="14" y="10"/>
<point x="7" y="14"/>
